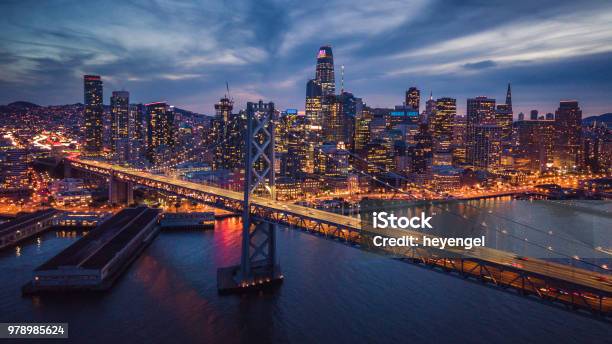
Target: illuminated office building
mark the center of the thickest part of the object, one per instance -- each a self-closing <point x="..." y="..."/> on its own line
<point x="401" y="114"/>
<point x="362" y="129"/>
<point x="486" y="146"/>
<point x="351" y="107"/>
<point x="459" y="141"/>
<point x="313" y="107"/>
<point x="421" y="155"/>
<point x="378" y="156"/>
<point x="430" y="109"/>
<point x="227" y="136"/>
<point x="568" y="121"/>
<point x="325" y="71"/>
<point x="14" y="167"/>
<point x="413" y="99"/>
<point x="120" y="123"/>
<point x="93" y="113"/>
<point x="504" y="118"/>
<point x="597" y="147"/>
<point x="136" y="135"/>
<point x="480" y="121"/>
<point x="535" y="143"/>
<point x="333" y="119"/>
<point x="160" y="130"/>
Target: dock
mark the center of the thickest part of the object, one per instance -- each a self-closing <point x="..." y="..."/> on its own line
<point x="95" y="261"/>
<point x="188" y="221"/>
<point x="26" y="226"/>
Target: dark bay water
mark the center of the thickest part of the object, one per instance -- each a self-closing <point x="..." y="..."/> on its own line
<point x="332" y="293"/>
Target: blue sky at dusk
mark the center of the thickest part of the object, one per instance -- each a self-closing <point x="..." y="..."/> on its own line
<point x="184" y="52"/>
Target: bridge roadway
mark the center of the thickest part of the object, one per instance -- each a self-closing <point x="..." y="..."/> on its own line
<point x="548" y="280"/>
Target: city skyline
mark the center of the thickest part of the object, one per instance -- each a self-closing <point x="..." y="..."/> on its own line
<point x="548" y="54"/>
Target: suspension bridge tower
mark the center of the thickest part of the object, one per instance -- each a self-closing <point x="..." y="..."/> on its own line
<point x="258" y="263"/>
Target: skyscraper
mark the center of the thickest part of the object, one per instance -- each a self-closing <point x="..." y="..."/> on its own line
<point x="228" y="135"/>
<point x="93" y="112"/>
<point x="504" y="118"/>
<point x="509" y="99"/>
<point x="160" y="133"/>
<point x="442" y="122"/>
<point x="483" y="134"/>
<point x="333" y="121"/>
<point x="441" y="127"/>
<point x="568" y="121"/>
<point x="430" y="109"/>
<point x="413" y="98"/>
<point x="325" y="70"/>
<point x="313" y="103"/>
<point x="120" y="107"/>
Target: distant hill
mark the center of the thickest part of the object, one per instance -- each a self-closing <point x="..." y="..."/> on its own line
<point x="22" y="105"/>
<point x="605" y="118"/>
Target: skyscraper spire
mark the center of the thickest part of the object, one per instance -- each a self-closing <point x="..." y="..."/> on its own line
<point x="509" y="98"/>
<point x="342" y="79"/>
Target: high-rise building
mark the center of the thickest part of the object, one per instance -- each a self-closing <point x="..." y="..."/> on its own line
<point x="136" y="134"/>
<point x="597" y="140"/>
<point x="228" y="138"/>
<point x="441" y="126"/>
<point x="504" y="118"/>
<point x="421" y="155"/>
<point x="325" y="70"/>
<point x="14" y="163"/>
<point x="313" y="107"/>
<point x="362" y="129"/>
<point x="568" y="122"/>
<point x="533" y="115"/>
<point x="535" y="143"/>
<point x="442" y="122"/>
<point x="459" y="141"/>
<point x="93" y="113"/>
<point x="413" y="98"/>
<point x="486" y="148"/>
<point x="430" y="109"/>
<point x="351" y="107"/>
<point x="333" y="119"/>
<point x="120" y="113"/>
<point x="509" y="99"/>
<point x="160" y="130"/>
<point x="480" y="121"/>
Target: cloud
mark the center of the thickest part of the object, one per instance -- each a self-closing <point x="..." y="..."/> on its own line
<point x="480" y="64"/>
<point x="185" y="51"/>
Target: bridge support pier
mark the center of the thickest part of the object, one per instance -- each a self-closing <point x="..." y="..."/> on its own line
<point x="258" y="264"/>
<point x="120" y="192"/>
<point x="67" y="169"/>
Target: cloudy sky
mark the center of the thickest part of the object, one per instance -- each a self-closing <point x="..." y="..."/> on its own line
<point x="184" y="52"/>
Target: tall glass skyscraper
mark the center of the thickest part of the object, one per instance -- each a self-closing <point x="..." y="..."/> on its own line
<point x="325" y="70"/>
<point x="93" y="112"/>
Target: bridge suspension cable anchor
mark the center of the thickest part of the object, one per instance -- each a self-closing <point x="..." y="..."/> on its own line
<point x="259" y="266"/>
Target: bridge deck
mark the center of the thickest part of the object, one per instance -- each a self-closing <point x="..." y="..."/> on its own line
<point x="589" y="279"/>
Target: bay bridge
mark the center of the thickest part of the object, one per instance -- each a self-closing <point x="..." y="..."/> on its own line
<point x="571" y="286"/>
